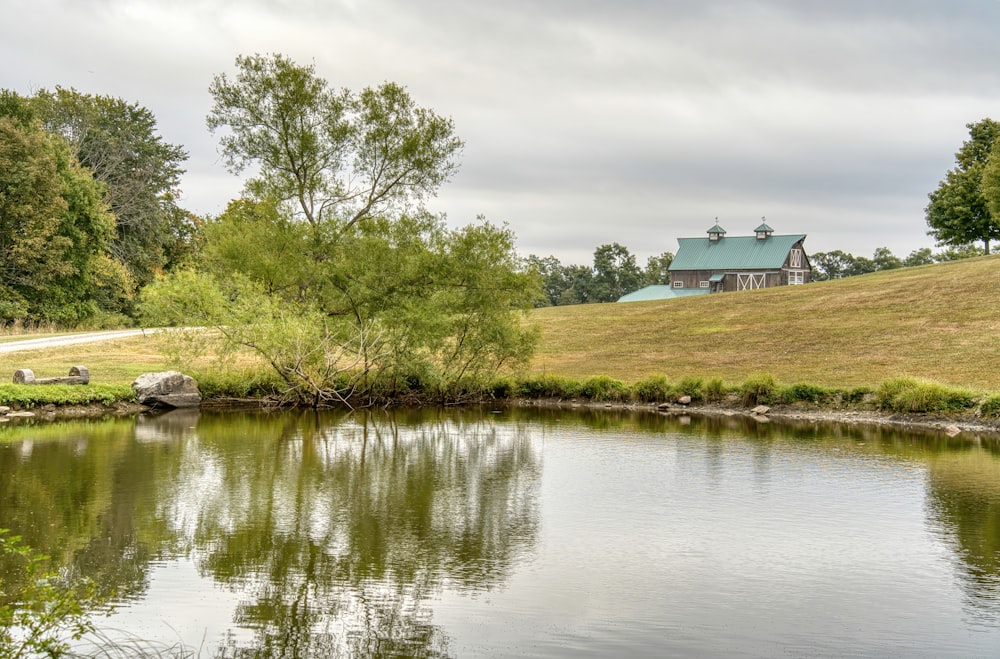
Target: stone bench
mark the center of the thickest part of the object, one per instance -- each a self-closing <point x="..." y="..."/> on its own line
<point x="77" y="375"/>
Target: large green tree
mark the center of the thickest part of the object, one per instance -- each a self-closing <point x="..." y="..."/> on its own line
<point x="991" y="180"/>
<point x="140" y="172"/>
<point x="54" y="231"/>
<point x="958" y="212"/>
<point x="329" y="268"/>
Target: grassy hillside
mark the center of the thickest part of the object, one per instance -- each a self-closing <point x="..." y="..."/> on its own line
<point x="939" y="322"/>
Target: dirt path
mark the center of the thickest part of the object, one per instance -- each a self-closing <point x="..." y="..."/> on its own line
<point x="70" y="339"/>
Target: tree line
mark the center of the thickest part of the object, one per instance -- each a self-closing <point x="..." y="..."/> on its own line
<point x="88" y="207"/>
<point x="615" y="271"/>
<point x="328" y="264"/>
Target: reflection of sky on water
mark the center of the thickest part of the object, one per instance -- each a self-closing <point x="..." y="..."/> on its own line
<point x="177" y="608"/>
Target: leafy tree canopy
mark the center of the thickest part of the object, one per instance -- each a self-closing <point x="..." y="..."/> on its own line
<point x="329" y="154"/>
<point x="959" y="212"/>
<point x="54" y="229"/>
<point x="329" y="268"/>
<point x="140" y="172"/>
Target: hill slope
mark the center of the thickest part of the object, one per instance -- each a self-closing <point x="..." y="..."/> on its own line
<point x="939" y="322"/>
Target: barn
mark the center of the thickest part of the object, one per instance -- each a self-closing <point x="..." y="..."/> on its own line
<point x="718" y="263"/>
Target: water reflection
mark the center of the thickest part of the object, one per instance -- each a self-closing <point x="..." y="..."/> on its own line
<point x="339" y="533"/>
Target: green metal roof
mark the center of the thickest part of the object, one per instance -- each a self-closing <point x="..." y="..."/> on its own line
<point x="717" y="229"/>
<point x="763" y="228"/>
<point x="733" y="253"/>
<point x="661" y="293"/>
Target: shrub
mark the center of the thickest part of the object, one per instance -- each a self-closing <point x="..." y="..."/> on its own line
<point x="654" y="389"/>
<point x="905" y="395"/>
<point x="502" y="388"/>
<point x="235" y="383"/>
<point x="603" y="388"/>
<point x="758" y="389"/>
<point x="689" y="386"/>
<point x="990" y="407"/>
<point x="856" y="395"/>
<point x="802" y="392"/>
<point x="714" y="390"/>
<point x="546" y="386"/>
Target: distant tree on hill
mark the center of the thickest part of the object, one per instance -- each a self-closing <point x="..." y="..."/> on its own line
<point x="657" y="269"/>
<point x="959" y="212"/>
<point x="922" y="256"/>
<point x="615" y="273"/>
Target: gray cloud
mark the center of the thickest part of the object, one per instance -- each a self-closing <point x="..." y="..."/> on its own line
<point x="587" y="122"/>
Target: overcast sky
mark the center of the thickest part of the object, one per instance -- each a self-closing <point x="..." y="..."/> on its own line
<point x="585" y="122"/>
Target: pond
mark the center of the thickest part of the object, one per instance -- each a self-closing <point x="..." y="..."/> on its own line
<point x="513" y="532"/>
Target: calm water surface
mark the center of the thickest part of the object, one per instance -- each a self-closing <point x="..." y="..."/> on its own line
<point x="518" y="533"/>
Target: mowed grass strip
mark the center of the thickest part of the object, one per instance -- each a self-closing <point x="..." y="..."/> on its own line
<point x="939" y="322"/>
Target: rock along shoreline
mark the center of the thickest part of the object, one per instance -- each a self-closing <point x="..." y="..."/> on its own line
<point x="950" y="425"/>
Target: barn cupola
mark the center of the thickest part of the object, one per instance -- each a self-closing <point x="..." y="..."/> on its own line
<point x="716" y="233"/>
<point x="763" y="231"/>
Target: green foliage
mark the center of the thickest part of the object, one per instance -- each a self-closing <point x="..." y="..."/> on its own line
<point x="856" y="395"/>
<point x="758" y="389"/>
<point x="959" y="211"/>
<point x="991" y="180"/>
<point x="689" y="386"/>
<point x="54" y="230"/>
<point x="714" y="390"/>
<point x="990" y="407"/>
<point x="547" y="386"/>
<point x="615" y="273"/>
<point x="43" y="612"/>
<point x="238" y="383"/>
<point x="657" y="271"/>
<point x="332" y="155"/>
<point x="653" y="389"/>
<point x="904" y="395"/>
<point x="118" y="144"/>
<point x="603" y="388"/>
<point x="28" y="396"/>
<point x="806" y="393"/>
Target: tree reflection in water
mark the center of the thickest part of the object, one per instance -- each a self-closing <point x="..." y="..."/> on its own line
<point x="337" y="531"/>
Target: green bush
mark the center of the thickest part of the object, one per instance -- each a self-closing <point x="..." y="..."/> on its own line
<point x="689" y="386"/>
<point x="502" y="388"/>
<point x="714" y="390"/>
<point x="603" y="388"/>
<point x="990" y="407"/>
<point x="235" y="383"/>
<point x="801" y="392"/>
<point x="856" y="395"/>
<point x="654" y="389"/>
<point x="547" y="386"/>
<point x="758" y="389"/>
<point x="905" y="395"/>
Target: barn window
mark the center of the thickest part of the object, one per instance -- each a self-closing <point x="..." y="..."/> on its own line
<point x="678" y="284"/>
<point x="795" y="258"/>
<point x="703" y="284"/>
<point x="796" y="277"/>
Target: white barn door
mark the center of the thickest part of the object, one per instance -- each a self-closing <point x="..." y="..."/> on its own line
<point x="749" y="281"/>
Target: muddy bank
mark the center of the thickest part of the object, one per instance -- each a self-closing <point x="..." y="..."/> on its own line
<point x="948" y="424"/>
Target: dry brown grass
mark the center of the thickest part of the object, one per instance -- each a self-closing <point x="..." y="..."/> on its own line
<point x="939" y="322"/>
